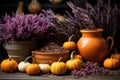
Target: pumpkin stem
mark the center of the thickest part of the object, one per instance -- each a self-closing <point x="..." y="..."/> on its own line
<point x="9" y="58"/>
<point x="70" y="37"/>
<point x="59" y="59"/>
<point x="71" y="56"/>
<point x="27" y="58"/>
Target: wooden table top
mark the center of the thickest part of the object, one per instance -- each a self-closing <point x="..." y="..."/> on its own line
<point x="113" y="75"/>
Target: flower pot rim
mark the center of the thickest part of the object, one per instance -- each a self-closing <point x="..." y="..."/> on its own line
<point x="92" y="30"/>
<point x="49" y="53"/>
<point x="32" y="41"/>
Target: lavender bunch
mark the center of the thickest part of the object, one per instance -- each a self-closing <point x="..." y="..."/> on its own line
<point x="105" y="16"/>
<point x="61" y="30"/>
<point x="23" y="27"/>
<point x="82" y="17"/>
<point x="101" y="15"/>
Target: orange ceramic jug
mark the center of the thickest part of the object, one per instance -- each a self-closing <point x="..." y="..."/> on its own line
<point x="92" y="46"/>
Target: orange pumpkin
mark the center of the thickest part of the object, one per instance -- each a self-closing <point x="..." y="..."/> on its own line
<point x="111" y="63"/>
<point x="77" y="56"/>
<point x="70" y="45"/>
<point x="9" y="65"/>
<point x="116" y="56"/>
<point x="74" y="63"/>
<point x="33" y="69"/>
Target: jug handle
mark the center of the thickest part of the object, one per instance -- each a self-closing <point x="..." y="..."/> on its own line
<point x="112" y="43"/>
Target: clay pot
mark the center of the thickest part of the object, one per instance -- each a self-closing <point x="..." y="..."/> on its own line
<point x="48" y="58"/>
<point x="92" y="47"/>
<point x="19" y="50"/>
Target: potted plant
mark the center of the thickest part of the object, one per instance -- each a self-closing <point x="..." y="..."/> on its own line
<point x="96" y="22"/>
<point x="19" y="33"/>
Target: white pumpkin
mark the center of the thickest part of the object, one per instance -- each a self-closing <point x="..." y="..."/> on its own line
<point x="45" y="68"/>
<point x="23" y="64"/>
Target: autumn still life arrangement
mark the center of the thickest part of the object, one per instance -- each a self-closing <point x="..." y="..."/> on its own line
<point x="59" y="51"/>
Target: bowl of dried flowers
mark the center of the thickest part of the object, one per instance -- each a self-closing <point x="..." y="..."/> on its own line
<point x="50" y="53"/>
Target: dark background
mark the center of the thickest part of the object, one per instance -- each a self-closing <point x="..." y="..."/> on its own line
<point x="9" y="6"/>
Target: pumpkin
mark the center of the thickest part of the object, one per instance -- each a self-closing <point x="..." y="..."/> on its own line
<point x="116" y="56"/>
<point x="70" y="45"/>
<point x="74" y="63"/>
<point x="77" y="56"/>
<point x="45" y="68"/>
<point x="111" y="63"/>
<point x="55" y="1"/>
<point x="33" y="69"/>
<point x="23" y="64"/>
<point x="9" y="65"/>
<point x="58" y="67"/>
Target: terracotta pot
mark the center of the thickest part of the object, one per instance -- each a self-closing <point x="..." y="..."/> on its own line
<point x="92" y="47"/>
<point x="48" y="58"/>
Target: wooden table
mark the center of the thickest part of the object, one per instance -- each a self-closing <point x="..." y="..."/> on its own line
<point x="113" y="75"/>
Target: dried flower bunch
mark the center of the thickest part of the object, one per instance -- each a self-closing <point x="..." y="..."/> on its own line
<point x="61" y="30"/>
<point x="101" y="15"/>
<point x="23" y="27"/>
<point x="106" y="16"/>
<point x="82" y="16"/>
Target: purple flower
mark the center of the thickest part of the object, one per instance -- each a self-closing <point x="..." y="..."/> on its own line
<point x="23" y="27"/>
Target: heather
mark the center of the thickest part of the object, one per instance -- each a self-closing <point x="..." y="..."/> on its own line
<point x="23" y="27"/>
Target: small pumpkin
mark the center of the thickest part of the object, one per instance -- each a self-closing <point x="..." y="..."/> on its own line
<point x="70" y="45"/>
<point x="33" y="69"/>
<point x="23" y="64"/>
<point x="74" y="63"/>
<point x="45" y="68"/>
<point x="9" y="65"/>
<point x="58" y="67"/>
<point x="77" y="56"/>
<point x="111" y="63"/>
<point x="116" y="56"/>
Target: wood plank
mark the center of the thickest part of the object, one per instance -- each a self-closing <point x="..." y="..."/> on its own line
<point x="113" y="75"/>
